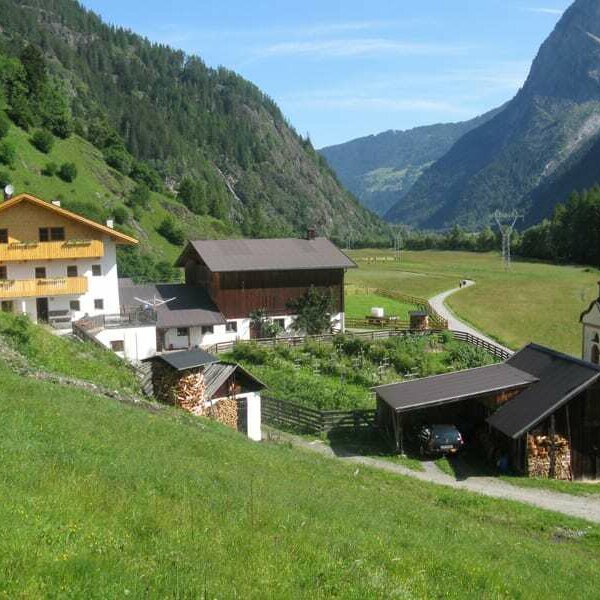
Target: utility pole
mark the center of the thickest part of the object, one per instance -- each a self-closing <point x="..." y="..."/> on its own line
<point x="398" y="231"/>
<point x="506" y="224"/>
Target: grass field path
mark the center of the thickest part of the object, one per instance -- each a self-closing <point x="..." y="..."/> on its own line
<point x="583" y="507"/>
<point x="439" y="304"/>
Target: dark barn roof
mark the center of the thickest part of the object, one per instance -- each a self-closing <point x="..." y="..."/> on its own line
<point x="185" y="359"/>
<point x="217" y="374"/>
<point x="452" y="387"/>
<point x="561" y="378"/>
<point x="285" y="254"/>
<point x="191" y="305"/>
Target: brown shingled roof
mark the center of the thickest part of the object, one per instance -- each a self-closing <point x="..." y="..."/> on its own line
<point x="267" y="255"/>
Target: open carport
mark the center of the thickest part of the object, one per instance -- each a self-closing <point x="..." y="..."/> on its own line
<point x="464" y="398"/>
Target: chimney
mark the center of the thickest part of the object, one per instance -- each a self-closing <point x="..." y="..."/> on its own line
<point x="110" y="223"/>
<point x="311" y="233"/>
<point x="56" y="203"/>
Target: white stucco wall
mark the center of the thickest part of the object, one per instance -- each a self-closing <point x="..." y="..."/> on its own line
<point x="591" y="329"/>
<point x="219" y="335"/>
<point x="105" y="287"/>
<point x="139" y="342"/>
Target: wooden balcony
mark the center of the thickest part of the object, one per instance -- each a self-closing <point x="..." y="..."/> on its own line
<point x="37" y="288"/>
<point x="67" y="249"/>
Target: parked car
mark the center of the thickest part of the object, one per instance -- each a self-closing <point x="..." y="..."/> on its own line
<point x="439" y="439"/>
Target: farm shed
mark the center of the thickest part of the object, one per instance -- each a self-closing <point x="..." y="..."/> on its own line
<point x="201" y="384"/>
<point x="540" y="408"/>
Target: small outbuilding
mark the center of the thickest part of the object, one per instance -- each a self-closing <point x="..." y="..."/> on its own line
<point x="540" y="409"/>
<point x="205" y="386"/>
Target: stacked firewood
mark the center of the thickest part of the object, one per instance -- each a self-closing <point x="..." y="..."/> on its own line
<point x="184" y="390"/>
<point x="548" y="453"/>
<point x="225" y="411"/>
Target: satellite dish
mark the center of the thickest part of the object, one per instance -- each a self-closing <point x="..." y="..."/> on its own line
<point x="9" y="190"/>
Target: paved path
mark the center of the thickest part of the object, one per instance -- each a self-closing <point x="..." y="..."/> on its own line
<point x="583" y="507"/>
<point x="439" y="304"/>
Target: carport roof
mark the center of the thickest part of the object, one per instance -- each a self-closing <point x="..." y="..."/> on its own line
<point x="452" y="387"/>
<point x="561" y="378"/>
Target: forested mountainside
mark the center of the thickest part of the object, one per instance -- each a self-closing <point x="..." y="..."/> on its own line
<point x="380" y="169"/>
<point x="535" y="151"/>
<point x="206" y="136"/>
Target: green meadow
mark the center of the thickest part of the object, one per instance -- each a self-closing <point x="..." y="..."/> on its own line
<point x="533" y="302"/>
<point x="102" y="500"/>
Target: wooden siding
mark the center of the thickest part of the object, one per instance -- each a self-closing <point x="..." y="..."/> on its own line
<point x="24" y="220"/>
<point x="237" y="294"/>
<point x="38" y="288"/>
<point x="33" y="250"/>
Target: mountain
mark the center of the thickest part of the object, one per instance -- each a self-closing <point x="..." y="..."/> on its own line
<point x="145" y="103"/>
<point x="534" y="151"/>
<point x="380" y="169"/>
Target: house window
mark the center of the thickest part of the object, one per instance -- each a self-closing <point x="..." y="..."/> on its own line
<point x="231" y="327"/>
<point x="7" y="306"/>
<point x="40" y="272"/>
<point x="52" y="233"/>
<point x="3" y="273"/>
<point x="596" y="354"/>
<point x="3" y="236"/>
<point x="99" y="304"/>
<point x="280" y="323"/>
<point x="182" y="331"/>
<point x="75" y="305"/>
<point x="72" y="271"/>
<point x="117" y="345"/>
<point x="207" y="329"/>
<point x="57" y="234"/>
<point x="97" y="270"/>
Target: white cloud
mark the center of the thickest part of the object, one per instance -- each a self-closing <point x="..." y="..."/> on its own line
<point x="544" y="10"/>
<point x="338" y="48"/>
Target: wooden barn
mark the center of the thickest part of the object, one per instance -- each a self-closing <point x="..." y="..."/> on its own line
<point x="203" y="385"/>
<point x="540" y="409"/>
<point x="242" y="276"/>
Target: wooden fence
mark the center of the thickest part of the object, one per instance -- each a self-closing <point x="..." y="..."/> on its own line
<point x="302" y="419"/>
<point x="493" y="349"/>
<point x="435" y="319"/>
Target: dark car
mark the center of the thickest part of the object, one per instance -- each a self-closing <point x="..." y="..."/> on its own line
<point x="439" y="439"/>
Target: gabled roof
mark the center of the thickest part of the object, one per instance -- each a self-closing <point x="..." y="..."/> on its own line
<point x="594" y="304"/>
<point x="453" y="387"/>
<point x="185" y="359"/>
<point x="190" y="305"/>
<point x="284" y="254"/>
<point x="19" y="199"/>
<point x="561" y="378"/>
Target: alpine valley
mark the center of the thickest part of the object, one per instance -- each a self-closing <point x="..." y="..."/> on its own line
<point x="528" y="155"/>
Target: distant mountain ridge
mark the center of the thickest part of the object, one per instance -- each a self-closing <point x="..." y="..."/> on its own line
<point x="534" y="151"/>
<point x="380" y="169"/>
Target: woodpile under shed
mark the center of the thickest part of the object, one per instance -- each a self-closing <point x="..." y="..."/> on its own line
<point x="179" y="389"/>
<point x="549" y="457"/>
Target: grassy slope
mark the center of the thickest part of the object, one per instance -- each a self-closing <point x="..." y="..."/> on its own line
<point x="170" y="506"/>
<point x="97" y="182"/>
<point x="534" y="302"/>
<point x="63" y="356"/>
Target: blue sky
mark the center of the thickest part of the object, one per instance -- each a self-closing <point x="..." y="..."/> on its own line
<point x="344" y="69"/>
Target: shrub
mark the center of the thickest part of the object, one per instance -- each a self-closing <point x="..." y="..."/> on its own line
<point x="118" y="158"/>
<point x="8" y="153"/>
<point x="5" y="178"/>
<point x="4" y="124"/>
<point x="120" y="214"/>
<point x="68" y="172"/>
<point x="171" y="231"/>
<point x="43" y="140"/>
<point x="140" y="196"/>
<point x="252" y="353"/>
<point x="50" y="169"/>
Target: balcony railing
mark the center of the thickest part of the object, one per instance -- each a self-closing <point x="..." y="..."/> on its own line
<point x="51" y="250"/>
<point x="36" y="288"/>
